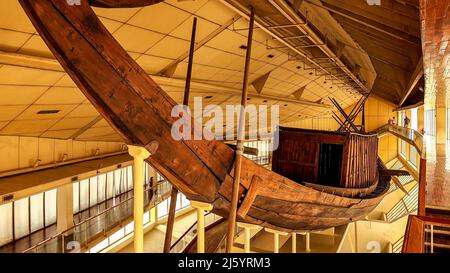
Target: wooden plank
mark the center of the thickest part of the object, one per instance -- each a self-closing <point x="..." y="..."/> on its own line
<point x="250" y="197"/>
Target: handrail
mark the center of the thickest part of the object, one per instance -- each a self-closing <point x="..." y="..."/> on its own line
<point x="90" y="218"/>
<point x="186" y="232"/>
<point x="409" y="135"/>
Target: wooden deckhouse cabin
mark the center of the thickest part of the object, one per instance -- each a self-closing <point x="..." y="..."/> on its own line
<point x="345" y="160"/>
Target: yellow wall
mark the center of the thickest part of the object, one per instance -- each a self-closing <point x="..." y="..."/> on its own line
<point x="377" y="114"/>
<point x="326" y="123"/>
<point x="22" y="152"/>
<point x="387" y="147"/>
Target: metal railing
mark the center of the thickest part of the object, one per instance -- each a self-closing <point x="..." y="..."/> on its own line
<point x="407" y="205"/>
<point x="411" y="136"/>
<point x="98" y="226"/>
<point x="191" y="233"/>
<point x="397" y="246"/>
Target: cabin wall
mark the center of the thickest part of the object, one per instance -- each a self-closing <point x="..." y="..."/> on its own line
<point x="21" y="152"/>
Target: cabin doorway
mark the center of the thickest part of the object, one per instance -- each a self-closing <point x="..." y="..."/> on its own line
<point x="330" y="161"/>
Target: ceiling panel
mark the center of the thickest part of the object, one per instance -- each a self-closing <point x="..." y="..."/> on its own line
<point x="159" y="15"/>
<point x="61" y="95"/>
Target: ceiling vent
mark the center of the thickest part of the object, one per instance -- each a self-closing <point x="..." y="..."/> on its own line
<point x="8" y="197"/>
<point x="48" y="112"/>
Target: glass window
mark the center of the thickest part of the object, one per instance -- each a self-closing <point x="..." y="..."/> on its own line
<point x="84" y="194"/>
<point x="403" y="148"/>
<point x="117" y="236"/>
<point x="430" y="122"/>
<point x="93" y="191"/>
<point x="21" y="218"/>
<point x="414" y="119"/>
<point x="101" y="187"/>
<point x="184" y="201"/>
<point x="110" y="186"/>
<point x="6" y="224"/>
<point x="129" y="228"/>
<point x="413" y="155"/>
<point x="162" y="208"/>
<point x="130" y="178"/>
<point x="146" y="217"/>
<point x="50" y="207"/>
<point x="37" y="211"/>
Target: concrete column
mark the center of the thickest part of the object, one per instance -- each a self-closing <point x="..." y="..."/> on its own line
<point x="294" y="242"/>
<point x="64" y="199"/>
<point x="201" y="209"/>
<point x="247" y="235"/>
<point x="276" y="238"/>
<point x="139" y="154"/>
<point x="307" y="242"/>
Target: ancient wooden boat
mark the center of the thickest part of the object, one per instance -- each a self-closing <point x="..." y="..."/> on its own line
<point x="300" y="194"/>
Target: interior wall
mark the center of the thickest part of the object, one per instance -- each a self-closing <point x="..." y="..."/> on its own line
<point x="326" y="123"/>
<point x="22" y="152"/>
<point x="377" y="114"/>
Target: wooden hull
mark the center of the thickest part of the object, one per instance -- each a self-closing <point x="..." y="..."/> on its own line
<point x="140" y="111"/>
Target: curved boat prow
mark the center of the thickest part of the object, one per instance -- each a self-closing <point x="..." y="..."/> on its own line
<point x="140" y="111"/>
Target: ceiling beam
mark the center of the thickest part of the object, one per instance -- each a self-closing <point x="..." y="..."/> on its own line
<point x="369" y="23"/>
<point x="415" y="78"/>
<point x="29" y="61"/>
<point x="86" y="127"/>
<point x="242" y="9"/>
<point x="384" y="14"/>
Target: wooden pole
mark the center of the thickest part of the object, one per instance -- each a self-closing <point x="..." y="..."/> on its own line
<point x="240" y="146"/>
<point x="174" y="193"/>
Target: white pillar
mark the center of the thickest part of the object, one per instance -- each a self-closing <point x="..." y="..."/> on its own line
<point x="307" y="242"/>
<point x="247" y="234"/>
<point x="294" y="242"/>
<point x="139" y="154"/>
<point x="276" y="238"/>
<point x="201" y="209"/>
